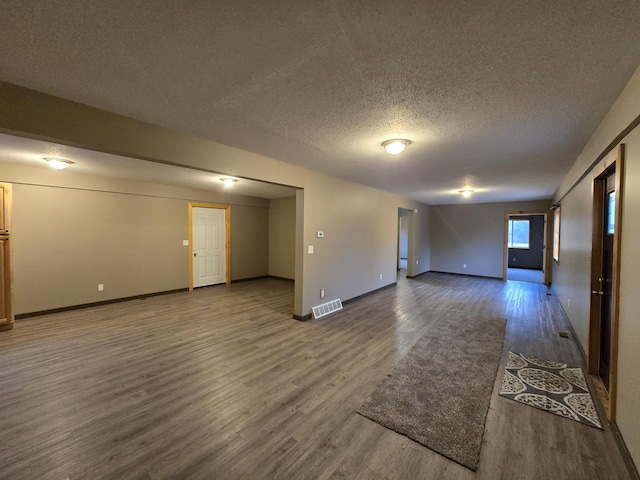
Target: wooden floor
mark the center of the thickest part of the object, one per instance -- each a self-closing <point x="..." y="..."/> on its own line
<point x="221" y="383"/>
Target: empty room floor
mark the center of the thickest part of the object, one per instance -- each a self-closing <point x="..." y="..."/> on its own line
<point x="222" y="383"/>
<point x="525" y="275"/>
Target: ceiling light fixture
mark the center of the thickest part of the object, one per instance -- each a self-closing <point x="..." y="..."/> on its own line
<point x="229" y="182"/>
<point x="396" y="146"/>
<point x="58" y="163"/>
<point x="466" y="193"/>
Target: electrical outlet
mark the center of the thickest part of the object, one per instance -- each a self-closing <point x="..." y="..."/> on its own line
<point x="569" y="303"/>
<point x="464" y="265"/>
<point x="380" y="276"/>
<point x="100" y="287"/>
<point x="417" y="262"/>
<point x="322" y="293"/>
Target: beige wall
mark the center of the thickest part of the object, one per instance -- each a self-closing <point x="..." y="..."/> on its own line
<point x="473" y="234"/>
<point x="67" y="240"/>
<point x="419" y="241"/>
<point x="360" y="223"/>
<point x="572" y="274"/>
<point x="360" y="226"/>
<point x="628" y="417"/>
<point x="282" y="237"/>
<point x="249" y="242"/>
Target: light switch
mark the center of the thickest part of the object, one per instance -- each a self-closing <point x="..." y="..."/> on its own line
<point x="320" y="234"/>
<point x="185" y="243"/>
<point x="310" y="249"/>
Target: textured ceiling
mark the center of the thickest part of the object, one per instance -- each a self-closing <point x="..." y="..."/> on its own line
<point x="500" y="96"/>
<point x="23" y="151"/>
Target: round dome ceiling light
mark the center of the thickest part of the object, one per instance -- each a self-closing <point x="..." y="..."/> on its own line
<point x="396" y="146"/>
<point x="229" y="182"/>
<point x="58" y="163"/>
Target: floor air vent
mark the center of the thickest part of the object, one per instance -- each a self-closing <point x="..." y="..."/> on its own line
<point x="326" y="308"/>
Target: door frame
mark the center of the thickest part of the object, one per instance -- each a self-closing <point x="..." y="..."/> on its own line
<point x="546" y="261"/>
<point x="402" y="213"/>
<point x="227" y="242"/>
<point x="6" y="269"/>
<point x="613" y="161"/>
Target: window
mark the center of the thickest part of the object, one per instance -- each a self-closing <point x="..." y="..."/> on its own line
<point x="519" y="234"/>
<point x="611" y="213"/>
<point x="556" y="234"/>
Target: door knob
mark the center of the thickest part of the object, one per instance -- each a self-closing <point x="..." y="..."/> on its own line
<point x="195" y="254"/>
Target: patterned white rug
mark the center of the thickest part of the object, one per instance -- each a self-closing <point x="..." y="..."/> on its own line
<point x="551" y="386"/>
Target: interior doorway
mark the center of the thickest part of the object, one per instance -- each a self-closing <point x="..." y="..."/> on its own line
<point x="526" y="256"/>
<point x="209" y="238"/>
<point x="403" y="239"/>
<point x="605" y="264"/>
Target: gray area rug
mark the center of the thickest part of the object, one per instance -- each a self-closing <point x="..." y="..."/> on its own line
<point x="551" y="386"/>
<point x="439" y="394"/>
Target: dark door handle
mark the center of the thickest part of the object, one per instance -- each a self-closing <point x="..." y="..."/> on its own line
<point x="195" y="254"/>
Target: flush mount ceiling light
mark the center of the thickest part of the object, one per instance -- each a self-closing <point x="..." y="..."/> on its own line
<point x="396" y="146"/>
<point x="466" y="193"/>
<point x="229" y="182"/>
<point x="58" y="163"/>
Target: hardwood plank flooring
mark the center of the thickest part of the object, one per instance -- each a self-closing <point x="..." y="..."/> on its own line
<point x="222" y="383"/>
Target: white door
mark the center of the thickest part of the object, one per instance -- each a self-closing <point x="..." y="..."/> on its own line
<point x="209" y="246"/>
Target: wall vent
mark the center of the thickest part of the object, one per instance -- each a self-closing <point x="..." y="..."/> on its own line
<point x="326" y="308"/>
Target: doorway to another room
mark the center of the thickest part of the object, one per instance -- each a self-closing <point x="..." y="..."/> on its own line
<point x="403" y="239"/>
<point x="525" y="247"/>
